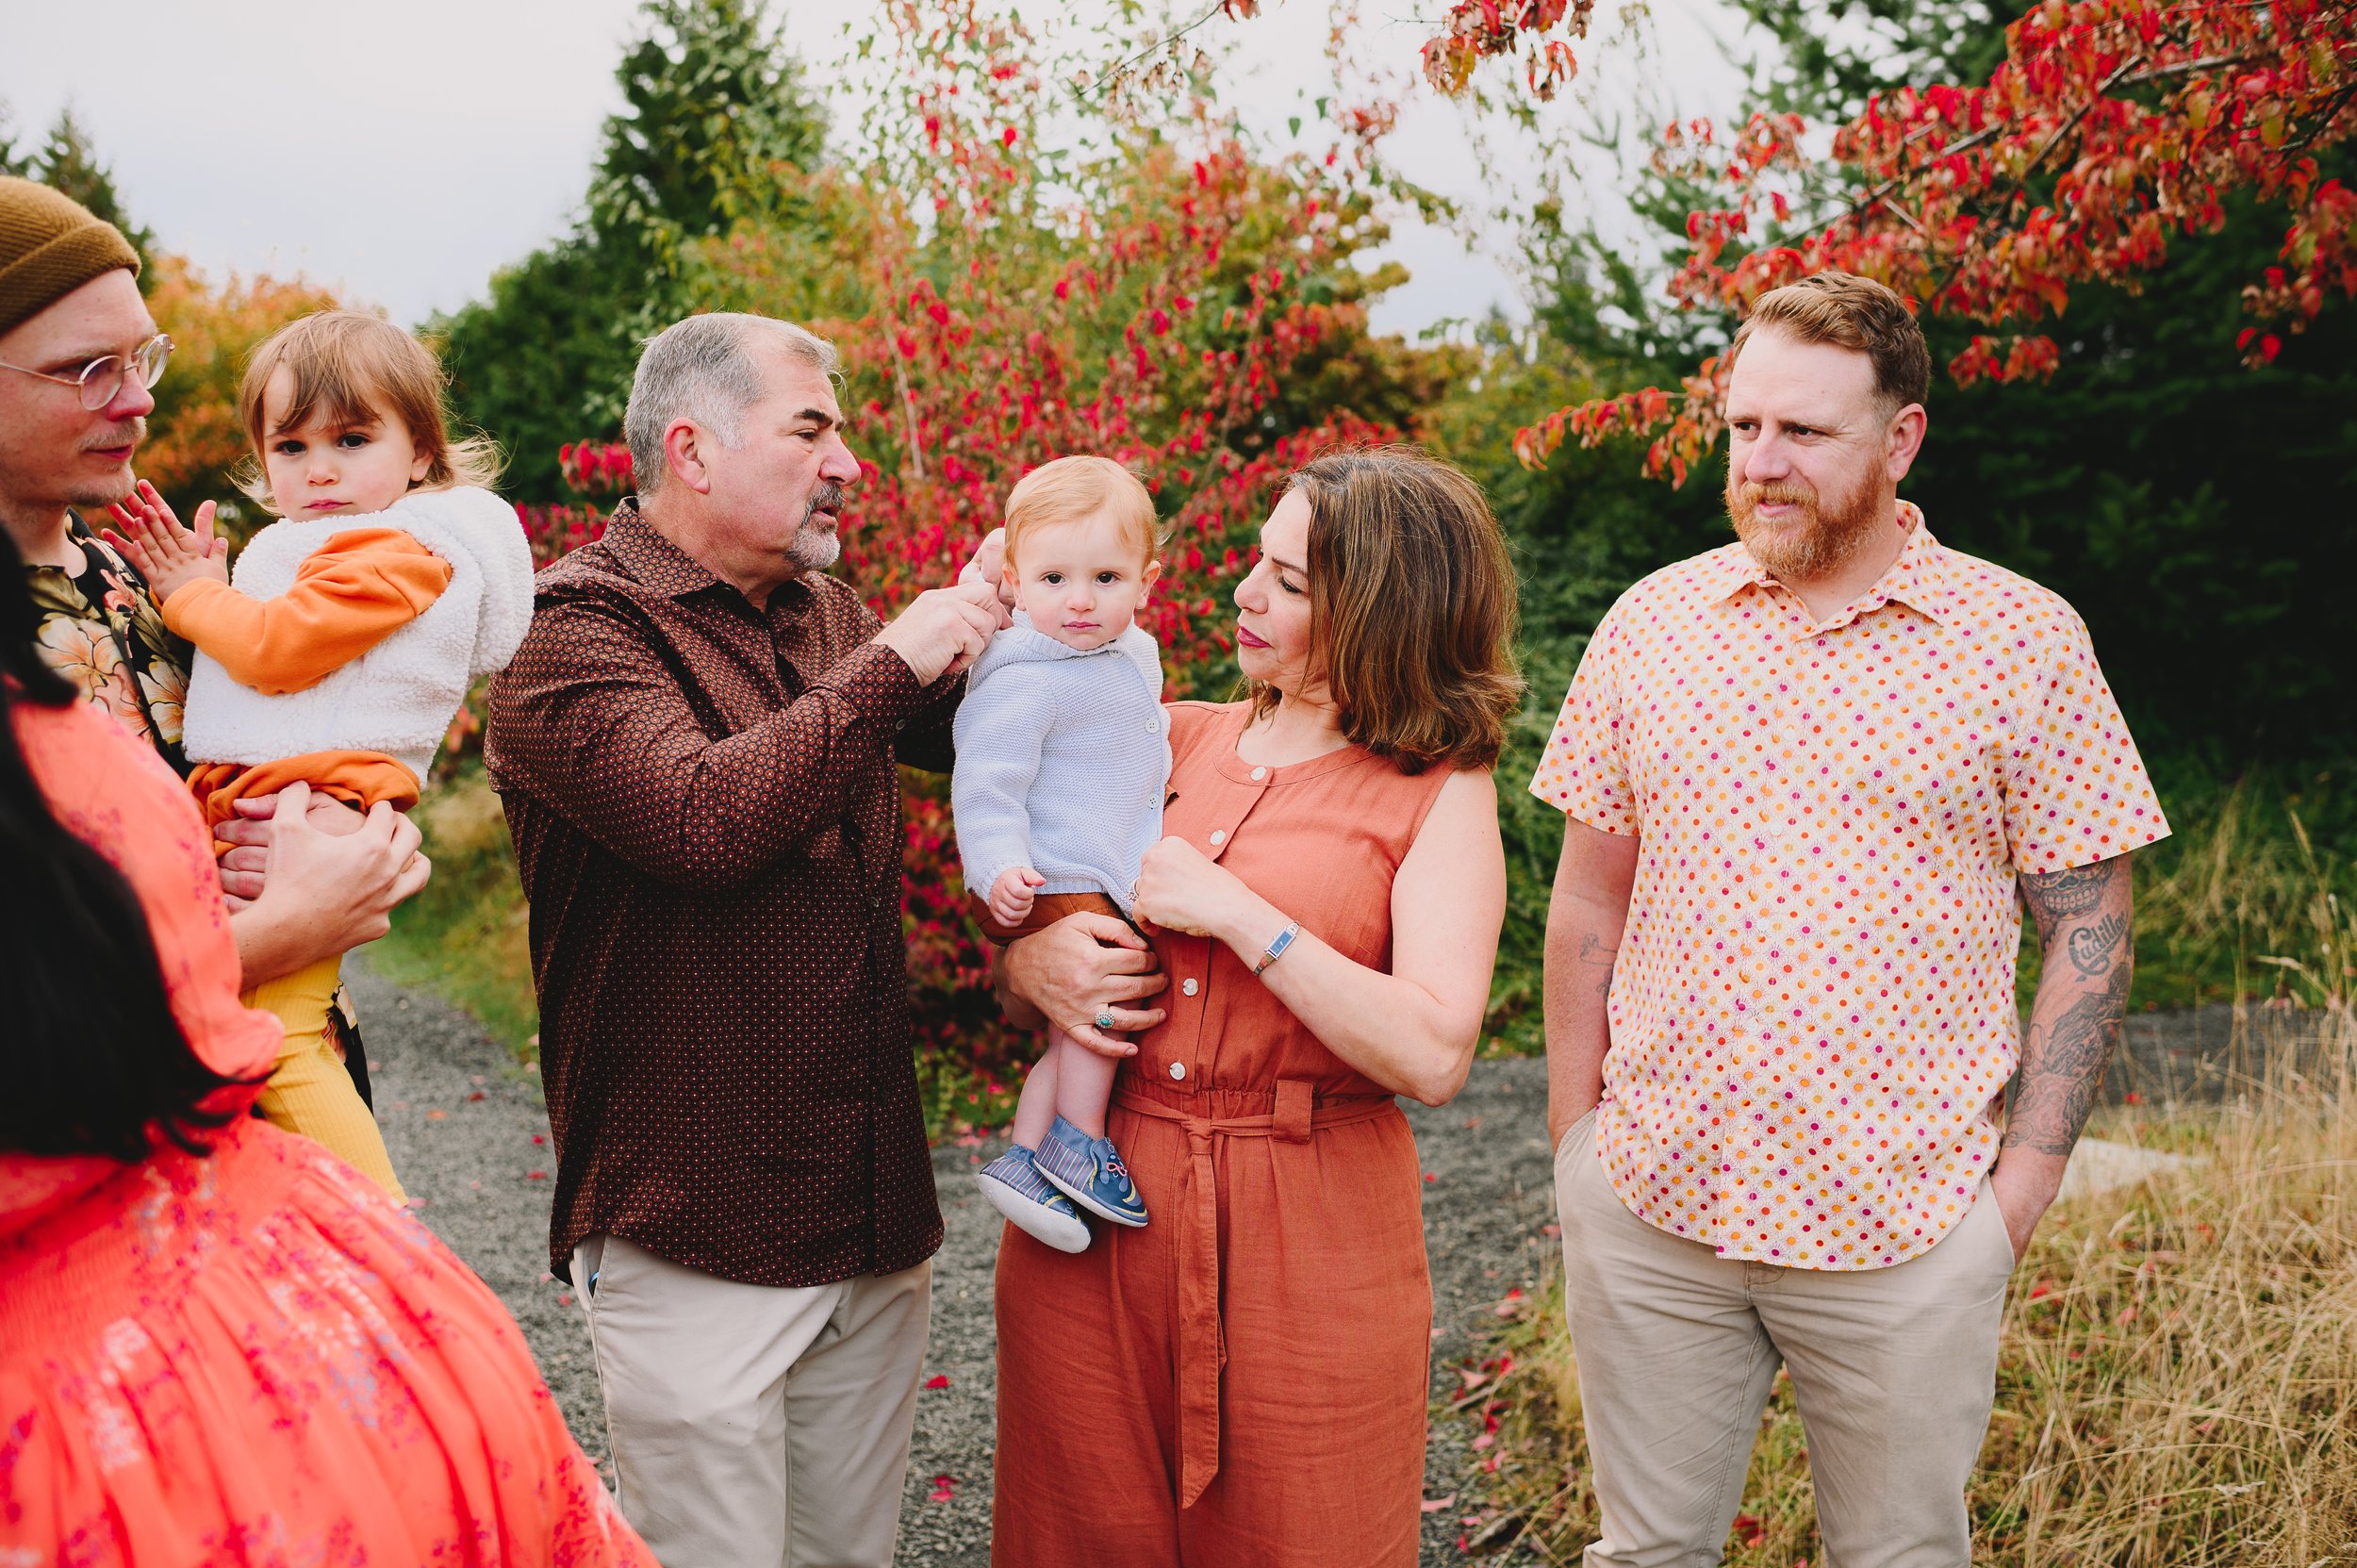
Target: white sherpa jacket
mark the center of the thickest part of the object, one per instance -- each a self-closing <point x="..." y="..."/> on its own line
<point x="399" y="697"/>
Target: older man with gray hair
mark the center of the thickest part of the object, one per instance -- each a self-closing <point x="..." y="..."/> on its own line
<point x="696" y="748"/>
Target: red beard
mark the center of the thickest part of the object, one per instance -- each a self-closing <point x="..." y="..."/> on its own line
<point x="1816" y="542"/>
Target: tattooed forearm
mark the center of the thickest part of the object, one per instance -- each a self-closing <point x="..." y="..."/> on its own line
<point x="2060" y="898"/>
<point x="1596" y="956"/>
<point x="2094" y="948"/>
<point x="2075" y="1022"/>
<point x="2061" y="1067"/>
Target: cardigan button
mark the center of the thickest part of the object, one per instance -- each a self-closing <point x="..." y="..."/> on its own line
<point x="1178" y="1070"/>
<point x="1187" y="987"/>
<point x="1219" y="836"/>
<point x="1259" y="772"/>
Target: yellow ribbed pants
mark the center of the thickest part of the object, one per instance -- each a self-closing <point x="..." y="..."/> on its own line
<point x="309" y="1091"/>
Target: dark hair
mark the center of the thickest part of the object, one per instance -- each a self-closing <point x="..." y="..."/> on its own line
<point x="1412" y="606"/>
<point x="96" y="1063"/>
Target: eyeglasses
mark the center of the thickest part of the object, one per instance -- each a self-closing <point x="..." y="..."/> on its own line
<point x="101" y="379"/>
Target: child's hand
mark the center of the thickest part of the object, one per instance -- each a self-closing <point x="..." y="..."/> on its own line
<point x="168" y="555"/>
<point x="1011" y="896"/>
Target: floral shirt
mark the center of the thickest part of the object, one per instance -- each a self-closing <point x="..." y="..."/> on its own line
<point x="102" y="632"/>
<point x="1812" y="1010"/>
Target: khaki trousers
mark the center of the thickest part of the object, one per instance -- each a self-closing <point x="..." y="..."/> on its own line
<point x="755" y="1426"/>
<point x="1893" y="1369"/>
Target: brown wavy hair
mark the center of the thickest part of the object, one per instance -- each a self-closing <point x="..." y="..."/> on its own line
<point x="1412" y="607"/>
<point x="355" y="367"/>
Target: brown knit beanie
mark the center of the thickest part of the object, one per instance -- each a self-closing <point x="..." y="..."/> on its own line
<point x="50" y="245"/>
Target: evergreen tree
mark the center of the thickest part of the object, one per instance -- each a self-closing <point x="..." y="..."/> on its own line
<point x="68" y="162"/>
<point x="716" y="122"/>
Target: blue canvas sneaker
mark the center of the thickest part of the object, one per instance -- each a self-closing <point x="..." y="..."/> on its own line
<point x="1015" y="1188"/>
<point x="1090" y="1172"/>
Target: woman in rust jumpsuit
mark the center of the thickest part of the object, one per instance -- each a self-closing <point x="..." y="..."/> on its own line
<point x="1242" y="1383"/>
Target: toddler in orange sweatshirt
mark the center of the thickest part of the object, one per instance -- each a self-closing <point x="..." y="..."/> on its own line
<point x="344" y="643"/>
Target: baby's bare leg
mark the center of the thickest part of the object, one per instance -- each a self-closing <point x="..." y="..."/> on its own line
<point x="1084" y="1082"/>
<point x="1035" y="1107"/>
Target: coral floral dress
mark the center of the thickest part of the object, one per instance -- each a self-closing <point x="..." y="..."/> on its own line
<point x="1242" y="1383"/>
<point x="252" y="1357"/>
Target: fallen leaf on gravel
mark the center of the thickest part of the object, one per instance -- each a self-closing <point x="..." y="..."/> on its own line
<point x="1512" y="1304"/>
<point x="535" y="1175"/>
<point x="437" y="1115"/>
<point x="540" y="1138"/>
<point x="939" y="1380"/>
<point x="1429" y="1177"/>
<point x="1434" y="1505"/>
<point x="564" y="1300"/>
<point x="1485" y="1439"/>
<point x="942" y="1489"/>
<point x="477" y="1095"/>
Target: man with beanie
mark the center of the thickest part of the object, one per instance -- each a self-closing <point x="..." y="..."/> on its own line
<point x="78" y="353"/>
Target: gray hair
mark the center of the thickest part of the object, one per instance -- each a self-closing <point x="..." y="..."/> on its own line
<point x="703" y="369"/>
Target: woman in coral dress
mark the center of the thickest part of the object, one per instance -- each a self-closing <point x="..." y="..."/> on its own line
<point x="1243" y="1381"/>
<point x="219" y="1344"/>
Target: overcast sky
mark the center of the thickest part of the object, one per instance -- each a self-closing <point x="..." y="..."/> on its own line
<point x="403" y="155"/>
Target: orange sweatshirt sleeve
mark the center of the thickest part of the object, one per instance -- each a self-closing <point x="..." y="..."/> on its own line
<point x="352" y="593"/>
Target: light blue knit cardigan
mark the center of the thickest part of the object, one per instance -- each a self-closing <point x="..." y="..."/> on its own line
<point x="1062" y="760"/>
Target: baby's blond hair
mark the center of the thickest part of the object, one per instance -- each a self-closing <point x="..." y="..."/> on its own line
<point x="355" y="368"/>
<point x="1070" y="489"/>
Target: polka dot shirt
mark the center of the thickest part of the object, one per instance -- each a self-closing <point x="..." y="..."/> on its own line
<point x="1813" y="1009"/>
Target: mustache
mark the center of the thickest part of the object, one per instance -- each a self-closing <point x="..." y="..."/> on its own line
<point x="136" y="429"/>
<point x="828" y="497"/>
<point x="1779" y="493"/>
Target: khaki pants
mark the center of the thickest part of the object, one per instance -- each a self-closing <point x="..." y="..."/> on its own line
<point x="1893" y="1369"/>
<point x="754" y="1426"/>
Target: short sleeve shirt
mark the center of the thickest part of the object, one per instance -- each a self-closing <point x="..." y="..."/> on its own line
<point x="1812" y="1010"/>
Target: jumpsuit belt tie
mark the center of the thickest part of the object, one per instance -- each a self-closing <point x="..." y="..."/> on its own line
<point x="1202" y="1340"/>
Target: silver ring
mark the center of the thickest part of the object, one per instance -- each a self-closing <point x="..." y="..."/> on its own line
<point x="1105" y="1021"/>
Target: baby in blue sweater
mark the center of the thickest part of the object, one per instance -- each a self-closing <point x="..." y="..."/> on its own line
<point x="1062" y="755"/>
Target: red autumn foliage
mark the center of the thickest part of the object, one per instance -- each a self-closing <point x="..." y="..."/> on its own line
<point x="2111" y="127"/>
<point x="995" y="308"/>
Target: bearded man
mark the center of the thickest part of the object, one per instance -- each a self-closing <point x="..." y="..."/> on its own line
<point x="1809" y="778"/>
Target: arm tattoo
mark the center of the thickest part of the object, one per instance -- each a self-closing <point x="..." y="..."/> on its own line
<point x="2092" y="947"/>
<point x="2075" y="1022"/>
<point x="1596" y="955"/>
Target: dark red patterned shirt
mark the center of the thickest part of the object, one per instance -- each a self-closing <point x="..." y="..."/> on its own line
<point x="708" y="821"/>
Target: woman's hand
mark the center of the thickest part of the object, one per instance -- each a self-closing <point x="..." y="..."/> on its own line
<point x="324" y="892"/>
<point x="1181" y="889"/>
<point x="168" y="555"/>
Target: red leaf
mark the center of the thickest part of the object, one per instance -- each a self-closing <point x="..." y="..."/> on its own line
<point x="1434" y="1505"/>
<point x="939" y="1380"/>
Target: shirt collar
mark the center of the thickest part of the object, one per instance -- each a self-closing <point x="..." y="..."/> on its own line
<point x="1917" y="579"/>
<point x="663" y="566"/>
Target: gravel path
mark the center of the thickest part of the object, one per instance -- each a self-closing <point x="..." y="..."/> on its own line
<point x="466" y="1132"/>
<point x="461" y="1120"/>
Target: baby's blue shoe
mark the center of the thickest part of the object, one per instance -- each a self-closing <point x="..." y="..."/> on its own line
<point x="1090" y="1172"/>
<point x="1015" y="1188"/>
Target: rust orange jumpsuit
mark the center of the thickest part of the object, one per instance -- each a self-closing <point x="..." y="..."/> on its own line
<point x="1241" y="1383"/>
